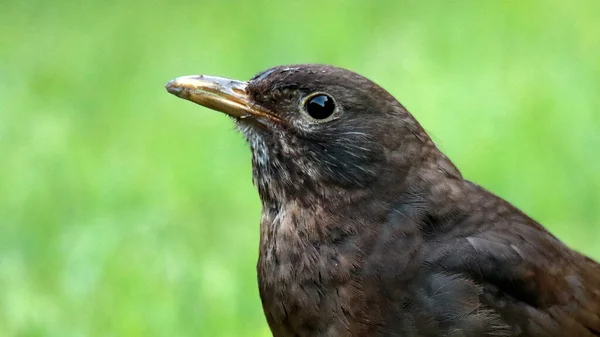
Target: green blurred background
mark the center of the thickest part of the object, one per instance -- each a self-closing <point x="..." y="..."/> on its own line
<point x="125" y="211"/>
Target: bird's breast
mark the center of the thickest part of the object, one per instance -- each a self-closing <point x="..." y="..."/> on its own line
<point x="305" y="272"/>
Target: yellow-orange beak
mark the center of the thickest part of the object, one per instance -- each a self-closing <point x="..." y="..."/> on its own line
<point x="220" y="94"/>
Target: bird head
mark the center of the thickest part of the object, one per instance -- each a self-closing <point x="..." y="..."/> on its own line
<point x="315" y="130"/>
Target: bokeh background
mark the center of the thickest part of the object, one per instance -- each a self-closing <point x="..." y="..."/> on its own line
<point x="125" y="211"/>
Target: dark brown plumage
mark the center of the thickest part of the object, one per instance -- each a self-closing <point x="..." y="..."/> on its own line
<point x="368" y="229"/>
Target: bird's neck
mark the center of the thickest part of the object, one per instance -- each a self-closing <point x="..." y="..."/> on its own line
<point x="430" y="188"/>
<point x="418" y="171"/>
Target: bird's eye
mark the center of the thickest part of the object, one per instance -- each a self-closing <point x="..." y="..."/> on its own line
<point x="319" y="106"/>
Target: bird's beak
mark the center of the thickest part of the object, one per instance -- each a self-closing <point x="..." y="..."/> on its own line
<point x="221" y="94"/>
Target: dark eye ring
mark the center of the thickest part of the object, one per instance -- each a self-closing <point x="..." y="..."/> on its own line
<point x="319" y="106"/>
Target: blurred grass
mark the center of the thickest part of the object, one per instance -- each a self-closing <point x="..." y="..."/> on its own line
<point x="128" y="212"/>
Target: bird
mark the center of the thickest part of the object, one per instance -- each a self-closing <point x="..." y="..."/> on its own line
<point x="368" y="229"/>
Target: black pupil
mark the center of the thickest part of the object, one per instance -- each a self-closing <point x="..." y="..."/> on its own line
<point x="320" y="107"/>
